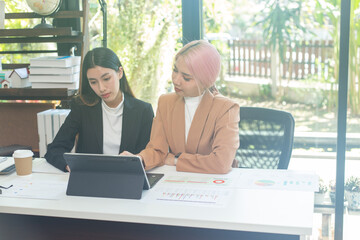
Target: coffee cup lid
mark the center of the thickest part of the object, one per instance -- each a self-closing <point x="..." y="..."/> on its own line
<point x="22" y="153"/>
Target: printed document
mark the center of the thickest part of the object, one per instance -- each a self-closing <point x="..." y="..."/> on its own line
<point x="278" y="179"/>
<point x="25" y="187"/>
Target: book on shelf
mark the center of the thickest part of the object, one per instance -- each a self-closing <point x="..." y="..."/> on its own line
<point x="55" y="61"/>
<point x="70" y="78"/>
<point x="55" y="70"/>
<point x="73" y="85"/>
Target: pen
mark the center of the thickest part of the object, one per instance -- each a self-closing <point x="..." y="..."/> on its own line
<point x="6" y="187"/>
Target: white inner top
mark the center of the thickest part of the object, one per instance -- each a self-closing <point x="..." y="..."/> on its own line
<point x="191" y="104"/>
<point x="112" y="128"/>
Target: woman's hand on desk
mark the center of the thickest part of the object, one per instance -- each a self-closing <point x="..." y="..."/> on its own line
<point x="126" y="153"/>
<point x="67" y="168"/>
<point x="170" y="159"/>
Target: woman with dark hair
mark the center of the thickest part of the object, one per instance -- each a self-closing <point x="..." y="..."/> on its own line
<point x="106" y="116"/>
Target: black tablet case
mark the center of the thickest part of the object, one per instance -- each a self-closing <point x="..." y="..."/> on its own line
<point x="99" y="175"/>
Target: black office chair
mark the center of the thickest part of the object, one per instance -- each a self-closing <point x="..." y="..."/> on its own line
<point x="266" y="138"/>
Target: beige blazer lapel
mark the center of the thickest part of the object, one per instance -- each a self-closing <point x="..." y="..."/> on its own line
<point x="198" y="122"/>
<point x="178" y="126"/>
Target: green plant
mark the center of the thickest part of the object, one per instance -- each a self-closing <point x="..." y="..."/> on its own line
<point x="332" y="186"/>
<point x="265" y="91"/>
<point x="16" y="6"/>
<point x="144" y="34"/>
<point x="327" y="13"/>
<point x="228" y="90"/>
<point x="323" y="188"/>
<point x="282" y="27"/>
<point x="353" y="184"/>
<point x="354" y="73"/>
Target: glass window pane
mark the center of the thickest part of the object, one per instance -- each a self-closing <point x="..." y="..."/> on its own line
<point x="292" y="64"/>
<point x="145" y="35"/>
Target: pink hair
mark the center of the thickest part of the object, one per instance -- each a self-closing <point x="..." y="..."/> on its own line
<point x="202" y="60"/>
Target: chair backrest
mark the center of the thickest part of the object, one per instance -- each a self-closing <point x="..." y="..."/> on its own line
<point x="266" y="138"/>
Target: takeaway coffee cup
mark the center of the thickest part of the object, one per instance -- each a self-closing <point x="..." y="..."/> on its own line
<point x="23" y="162"/>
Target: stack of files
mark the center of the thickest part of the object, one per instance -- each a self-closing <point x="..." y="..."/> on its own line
<point x="55" y="72"/>
<point x="49" y="123"/>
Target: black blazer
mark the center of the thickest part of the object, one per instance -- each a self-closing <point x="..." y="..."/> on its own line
<point x="87" y="122"/>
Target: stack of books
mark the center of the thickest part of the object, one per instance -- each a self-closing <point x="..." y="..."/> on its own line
<point x="49" y="123"/>
<point x="55" y="72"/>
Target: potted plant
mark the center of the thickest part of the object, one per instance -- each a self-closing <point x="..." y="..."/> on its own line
<point x="332" y="188"/>
<point x="352" y="192"/>
<point x="320" y="194"/>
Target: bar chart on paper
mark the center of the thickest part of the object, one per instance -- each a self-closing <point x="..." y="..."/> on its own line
<point x="200" y="190"/>
<point x="193" y="195"/>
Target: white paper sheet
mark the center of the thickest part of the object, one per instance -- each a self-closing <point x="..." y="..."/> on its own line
<point x="187" y="189"/>
<point x="42" y="166"/>
<point x="196" y="181"/>
<point x="26" y="187"/>
<point x="191" y="196"/>
<point x="278" y="179"/>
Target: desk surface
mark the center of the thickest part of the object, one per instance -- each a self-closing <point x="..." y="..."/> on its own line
<point x="272" y="211"/>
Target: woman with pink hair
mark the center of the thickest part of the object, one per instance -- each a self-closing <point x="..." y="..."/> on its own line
<point x="195" y="128"/>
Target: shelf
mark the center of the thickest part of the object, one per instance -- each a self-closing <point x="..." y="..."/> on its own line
<point x="76" y="39"/>
<point x="60" y="14"/>
<point x="58" y="35"/>
<point x="35" y="32"/>
<point x="47" y="35"/>
<point x="28" y="51"/>
<point x="10" y="66"/>
<point x="36" y="94"/>
<point x="19" y="117"/>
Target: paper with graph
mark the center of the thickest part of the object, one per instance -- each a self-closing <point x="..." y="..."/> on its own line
<point x="38" y="189"/>
<point x="278" y="179"/>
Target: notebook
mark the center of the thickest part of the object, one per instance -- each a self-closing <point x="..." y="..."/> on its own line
<point x="114" y="176"/>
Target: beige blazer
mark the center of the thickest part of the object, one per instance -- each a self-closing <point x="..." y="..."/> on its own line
<point x="212" y="140"/>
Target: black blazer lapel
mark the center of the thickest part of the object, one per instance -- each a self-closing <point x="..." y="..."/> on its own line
<point x="96" y="119"/>
<point x="129" y="115"/>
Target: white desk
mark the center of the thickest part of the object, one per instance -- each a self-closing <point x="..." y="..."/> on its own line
<point x="249" y="213"/>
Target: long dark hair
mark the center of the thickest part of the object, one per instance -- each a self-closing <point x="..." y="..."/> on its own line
<point x="102" y="57"/>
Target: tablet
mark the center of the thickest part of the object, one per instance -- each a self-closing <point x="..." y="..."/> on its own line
<point x="100" y="175"/>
